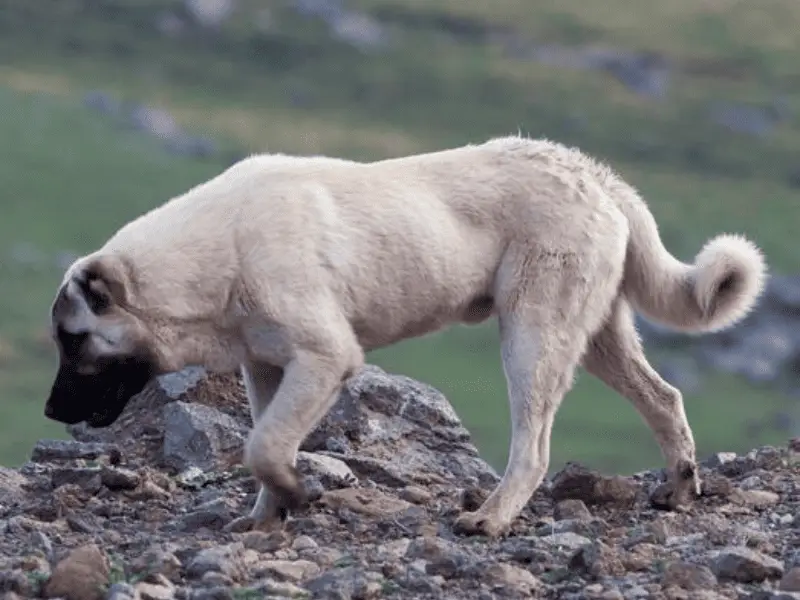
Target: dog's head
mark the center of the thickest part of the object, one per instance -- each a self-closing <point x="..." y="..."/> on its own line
<point x="105" y="351"/>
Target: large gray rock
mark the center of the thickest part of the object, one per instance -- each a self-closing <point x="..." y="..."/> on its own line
<point x="198" y="436"/>
<point x="398" y="431"/>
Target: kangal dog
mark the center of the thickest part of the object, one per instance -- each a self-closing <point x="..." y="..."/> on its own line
<point x="291" y="268"/>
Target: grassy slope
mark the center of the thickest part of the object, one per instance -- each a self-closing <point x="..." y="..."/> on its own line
<point x="57" y="161"/>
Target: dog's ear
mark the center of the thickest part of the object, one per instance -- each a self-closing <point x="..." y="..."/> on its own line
<point x="106" y="282"/>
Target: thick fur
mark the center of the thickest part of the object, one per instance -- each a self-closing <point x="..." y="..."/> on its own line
<point x="291" y="268"/>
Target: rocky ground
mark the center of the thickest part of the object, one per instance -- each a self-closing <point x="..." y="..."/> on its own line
<point x="144" y="510"/>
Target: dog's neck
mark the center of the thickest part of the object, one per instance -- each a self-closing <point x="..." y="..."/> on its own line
<point x="198" y="343"/>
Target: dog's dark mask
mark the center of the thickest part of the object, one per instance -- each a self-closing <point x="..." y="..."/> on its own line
<point x="100" y="398"/>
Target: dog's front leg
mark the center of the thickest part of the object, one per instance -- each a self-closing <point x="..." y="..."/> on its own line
<point x="261" y="382"/>
<point x="309" y="387"/>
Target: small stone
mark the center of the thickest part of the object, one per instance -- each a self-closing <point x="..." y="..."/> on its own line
<point x="510" y="579"/>
<point x="331" y="472"/>
<point x="370" y="502"/>
<point x="226" y="560"/>
<point x="754" y="498"/>
<point x="261" y="541"/>
<point x="568" y="540"/>
<point x="271" y="588"/>
<point x="717" y="485"/>
<point x="150" y="490"/>
<point x="597" y="559"/>
<point x="791" y="580"/>
<point x="688" y="576"/>
<point x="571" y="509"/>
<point x="81" y="575"/>
<point x="56" y="450"/>
<point x="150" y="591"/>
<point x="115" y="478"/>
<point x="121" y="591"/>
<point x="347" y="582"/>
<point x="744" y="565"/>
<point x="156" y="561"/>
<point x="213" y="520"/>
<point x="304" y="542"/>
<point x="286" y="570"/>
<point x="87" y="478"/>
<point x="718" y="459"/>
<point x="415" y="494"/>
<point x="575" y="482"/>
<point x="19" y="582"/>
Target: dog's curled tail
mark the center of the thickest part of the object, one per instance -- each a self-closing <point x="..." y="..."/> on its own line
<point x="715" y="292"/>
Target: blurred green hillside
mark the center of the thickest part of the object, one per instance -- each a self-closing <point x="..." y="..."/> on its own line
<point x="712" y="144"/>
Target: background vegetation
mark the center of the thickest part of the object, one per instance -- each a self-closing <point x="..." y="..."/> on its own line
<point x="270" y="78"/>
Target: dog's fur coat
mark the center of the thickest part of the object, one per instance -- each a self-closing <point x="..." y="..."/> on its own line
<point x="291" y="268"/>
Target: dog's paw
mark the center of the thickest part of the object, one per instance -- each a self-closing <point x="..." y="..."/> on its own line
<point x="679" y="491"/>
<point x="249" y="523"/>
<point x="241" y="525"/>
<point x="477" y="523"/>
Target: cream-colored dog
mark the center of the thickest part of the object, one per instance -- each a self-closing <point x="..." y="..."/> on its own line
<point x="291" y="268"/>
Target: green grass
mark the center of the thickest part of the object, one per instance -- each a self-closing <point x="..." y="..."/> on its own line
<point x="71" y="178"/>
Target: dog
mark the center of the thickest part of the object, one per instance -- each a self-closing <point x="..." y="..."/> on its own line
<point x="290" y="268"/>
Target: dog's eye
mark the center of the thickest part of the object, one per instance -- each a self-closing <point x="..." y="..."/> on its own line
<point x="98" y="302"/>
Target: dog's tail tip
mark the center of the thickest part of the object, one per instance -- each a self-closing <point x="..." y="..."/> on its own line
<point x="729" y="276"/>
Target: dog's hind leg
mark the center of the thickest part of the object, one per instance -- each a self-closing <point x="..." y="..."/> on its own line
<point x="616" y="357"/>
<point x="555" y="301"/>
<point x="261" y="382"/>
<point x="310" y="386"/>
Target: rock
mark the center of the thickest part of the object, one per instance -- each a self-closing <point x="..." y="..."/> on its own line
<point x="407" y="431"/>
<point x="115" y="478"/>
<point x="509" y="579"/>
<point x="198" y="436"/>
<point x="58" y="450"/>
<point x="11" y="487"/>
<point x="121" y="591"/>
<point x="575" y="482"/>
<point x="157" y="561"/>
<point x="414" y="494"/>
<point x="385" y="531"/>
<point x="571" y="509"/>
<point x="745" y="565"/>
<point x="81" y="575"/>
<point x="442" y="557"/>
<point x="769" y="595"/>
<point x="261" y="541"/>
<point x="755" y="498"/>
<point x="790" y="582"/>
<point x="332" y="472"/>
<point x="150" y="591"/>
<point x="597" y="559"/>
<point x="286" y="570"/>
<point x="85" y="477"/>
<point x="688" y="576"/>
<point x="718" y="459"/>
<point x="568" y="540"/>
<point x="347" y="583"/>
<point x="363" y="501"/>
<point x="269" y="588"/>
<point x="225" y="559"/>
